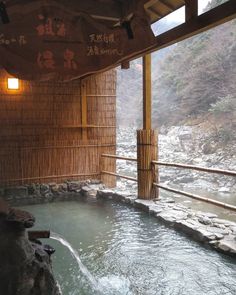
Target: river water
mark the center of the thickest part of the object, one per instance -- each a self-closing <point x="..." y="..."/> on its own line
<point x="128" y="252"/>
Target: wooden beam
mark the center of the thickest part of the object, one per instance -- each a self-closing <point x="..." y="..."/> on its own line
<point x="150" y="3"/>
<point x="125" y="65"/>
<point x="208" y="20"/>
<point x="191" y="9"/>
<point x="203" y="22"/>
<point x="167" y="5"/>
<point x="155" y="12"/>
<point x="107" y="18"/>
<point x="147" y="92"/>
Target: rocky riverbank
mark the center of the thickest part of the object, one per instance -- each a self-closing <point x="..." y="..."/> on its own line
<point x="182" y="144"/>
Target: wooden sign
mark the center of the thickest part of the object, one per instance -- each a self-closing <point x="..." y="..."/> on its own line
<point x="45" y="40"/>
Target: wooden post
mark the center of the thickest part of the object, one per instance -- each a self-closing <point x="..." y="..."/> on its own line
<point x="147" y="141"/>
<point x="147" y="173"/>
<point x="147" y="92"/>
<point x="106" y="164"/>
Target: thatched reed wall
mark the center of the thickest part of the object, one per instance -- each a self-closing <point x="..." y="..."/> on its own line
<point x="50" y="131"/>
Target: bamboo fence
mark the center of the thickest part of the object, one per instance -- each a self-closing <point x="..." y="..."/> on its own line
<point x="147" y="173"/>
<point x="48" y="134"/>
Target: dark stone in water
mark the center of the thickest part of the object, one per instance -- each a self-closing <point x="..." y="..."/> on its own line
<point x="20" y="218"/>
<point x="25" y="267"/>
<point x="49" y="249"/>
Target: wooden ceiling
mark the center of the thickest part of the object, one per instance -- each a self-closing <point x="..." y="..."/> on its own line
<point x="87" y="25"/>
<point x="114" y="10"/>
<point x="157" y="9"/>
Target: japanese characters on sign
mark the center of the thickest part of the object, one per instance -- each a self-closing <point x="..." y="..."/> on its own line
<point x="51" y="27"/>
<point x="103" y="44"/>
<point x="19" y="40"/>
<point x="51" y="41"/>
<point x="54" y="27"/>
<point x="45" y="60"/>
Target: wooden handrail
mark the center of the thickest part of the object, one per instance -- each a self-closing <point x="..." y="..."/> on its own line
<point x="196" y="197"/>
<point x="119" y="157"/>
<point x="176" y="165"/>
<point x="119" y="175"/>
<point x="198" y="168"/>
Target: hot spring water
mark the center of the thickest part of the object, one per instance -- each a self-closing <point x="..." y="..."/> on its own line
<point x="120" y="250"/>
<point x="106" y="285"/>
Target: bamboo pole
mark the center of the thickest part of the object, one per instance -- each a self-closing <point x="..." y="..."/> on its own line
<point x="48" y="177"/>
<point x="119" y="157"/>
<point x="106" y="168"/>
<point x="120" y="175"/>
<point x="68" y="147"/>
<point x="197" y="197"/>
<point x="101" y="95"/>
<point x="198" y="168"/>
<point x="57" y="126"/>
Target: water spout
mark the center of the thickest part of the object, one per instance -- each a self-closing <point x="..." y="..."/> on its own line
<point x="93" y="282"/>
<point x="104" y="286"/>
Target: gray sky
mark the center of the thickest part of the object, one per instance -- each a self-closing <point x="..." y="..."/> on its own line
<point x="178" y="16"/>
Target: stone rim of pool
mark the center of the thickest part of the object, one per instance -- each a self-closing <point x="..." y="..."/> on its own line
<point x="135" y="237"/>
<point x="207" y="228"/>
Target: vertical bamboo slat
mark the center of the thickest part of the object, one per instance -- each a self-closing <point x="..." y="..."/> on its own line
<point x="84" y="110"/>
<point x="147" y="173"/>
<point x="41" y="130"/>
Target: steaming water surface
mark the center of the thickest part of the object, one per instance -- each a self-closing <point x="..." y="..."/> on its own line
<point x="127" y="252"/>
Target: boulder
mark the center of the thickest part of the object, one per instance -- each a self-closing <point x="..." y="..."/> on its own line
<point x="25" y="267"/>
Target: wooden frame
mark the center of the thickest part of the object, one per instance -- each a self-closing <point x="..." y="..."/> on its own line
<point x="195" y="25"/>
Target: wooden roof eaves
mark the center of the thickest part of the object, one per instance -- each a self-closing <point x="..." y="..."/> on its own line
<point x="210" y="19"/>
<point x="154" y="5"/>
<point x="168" y="5"/>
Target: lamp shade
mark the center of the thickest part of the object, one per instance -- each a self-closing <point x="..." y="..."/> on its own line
<point x="13" y="83"/>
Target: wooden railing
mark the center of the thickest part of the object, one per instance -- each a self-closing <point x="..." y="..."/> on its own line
<point x="119" y="158"/>
<point x="177" y="165"/>
<point x="198" y="168"/>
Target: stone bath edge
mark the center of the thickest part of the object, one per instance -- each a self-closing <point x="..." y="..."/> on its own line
<point x="203" y="227"/>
